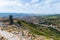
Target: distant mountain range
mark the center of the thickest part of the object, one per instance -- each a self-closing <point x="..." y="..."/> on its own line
<point x="14" y="14"/>
<point x="17" y="14"/>
<point x="24" y="14"/>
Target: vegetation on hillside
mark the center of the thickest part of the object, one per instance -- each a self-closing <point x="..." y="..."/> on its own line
<point x="41" y="30"/>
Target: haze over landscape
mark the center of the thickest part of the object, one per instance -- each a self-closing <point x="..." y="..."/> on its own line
<point x="29" y="19"/>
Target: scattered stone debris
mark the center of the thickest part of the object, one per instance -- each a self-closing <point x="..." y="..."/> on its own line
<point x="2" y="38"/>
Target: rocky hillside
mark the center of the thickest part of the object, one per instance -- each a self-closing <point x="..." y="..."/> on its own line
<point x="47" y="32"/>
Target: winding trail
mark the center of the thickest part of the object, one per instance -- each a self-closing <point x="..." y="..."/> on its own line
<point x="9" y="35"/>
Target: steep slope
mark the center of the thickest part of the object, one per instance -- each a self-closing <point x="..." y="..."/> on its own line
<point x="42" y="30"/>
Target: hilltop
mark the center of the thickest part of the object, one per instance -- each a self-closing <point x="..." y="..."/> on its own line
<point x="45" y="27"/>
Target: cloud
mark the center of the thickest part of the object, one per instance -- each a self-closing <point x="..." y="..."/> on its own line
<point x="30" y="6"/>
<point x="34" y="1"/>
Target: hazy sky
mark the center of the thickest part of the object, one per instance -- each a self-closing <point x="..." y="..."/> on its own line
<point x="30" y="6"/>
